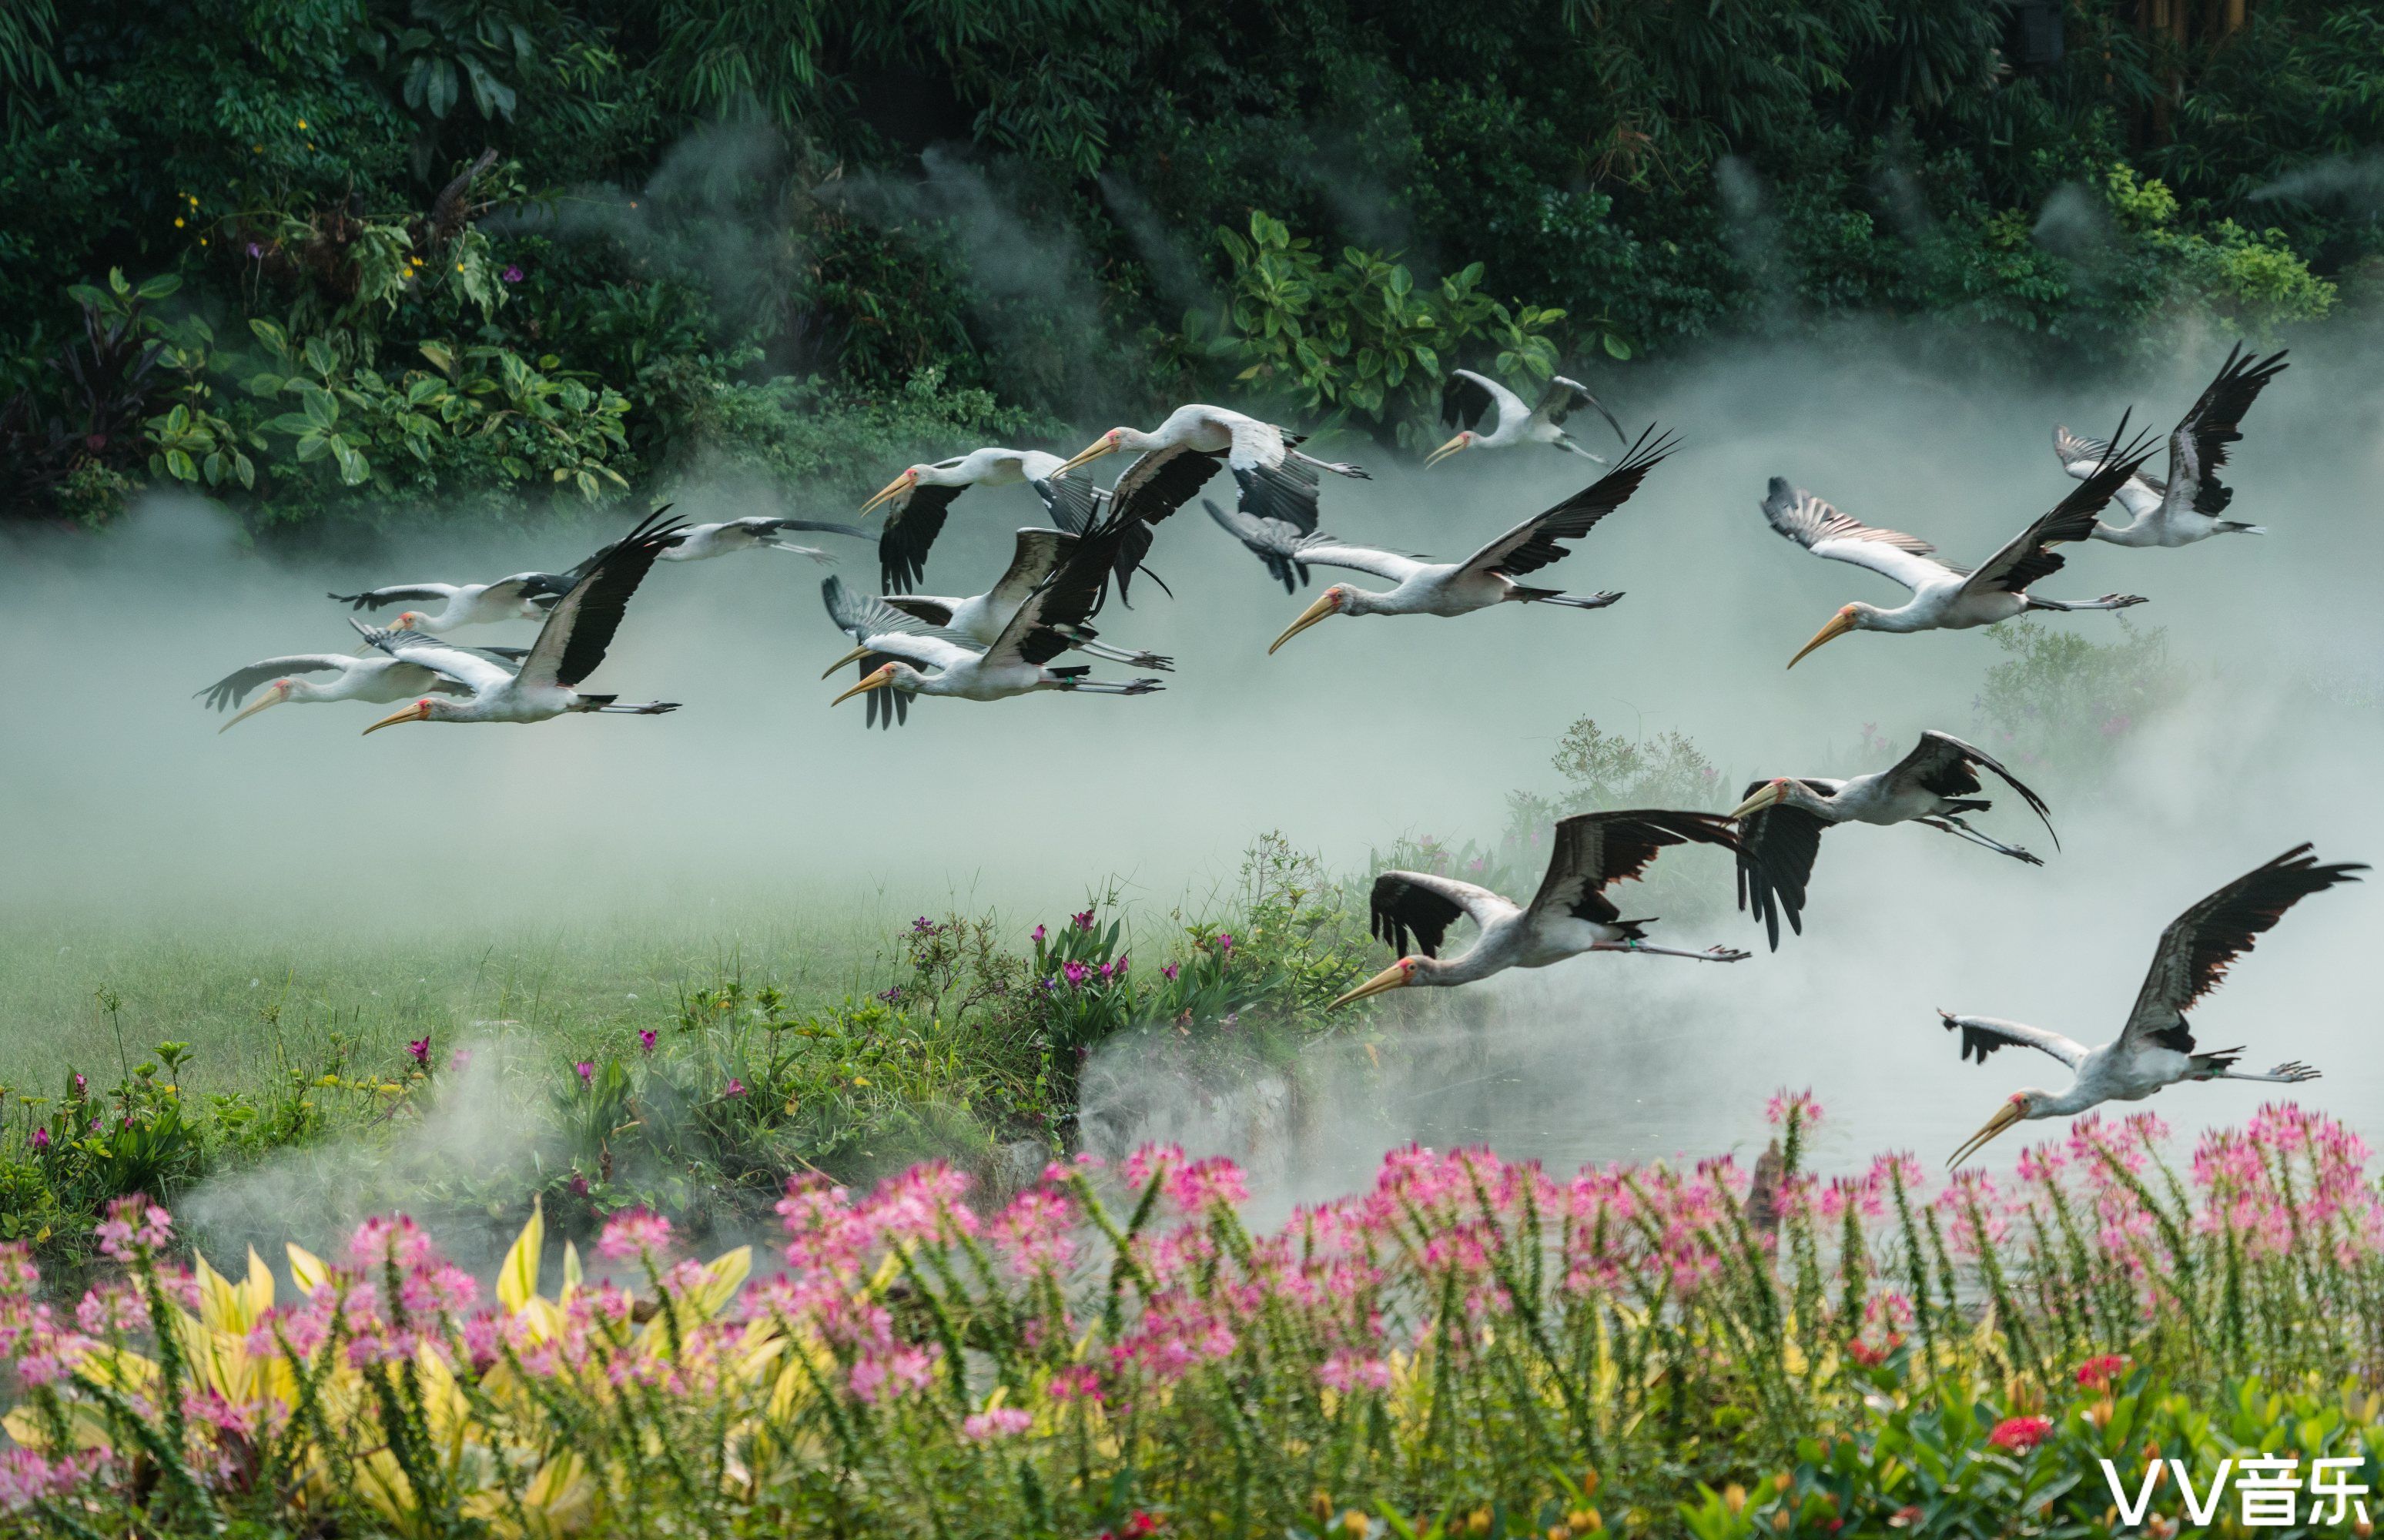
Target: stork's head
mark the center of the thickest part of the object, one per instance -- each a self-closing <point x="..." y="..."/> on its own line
<point x="1463" y="441"/>
<point x="892" y="675"/>
<point x="1850" y="617"/>
<point x="899" y="487"/>
<point x="1397" y="976"/>
<point x="272" y="695"/>
<point x="424" y="710"/>
<point x="2016" y="1109"/>
<point x="1769" y="794"/>
<point x="1108" y="443"/>
<point x="406" y="620"/>
<point x="1336" y="600"/>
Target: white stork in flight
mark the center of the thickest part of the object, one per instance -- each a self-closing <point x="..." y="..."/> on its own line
<point x="2185" y="508"/>
<point x="2155" y="1049"/>
<point x="1780" y="824"/>
<point x="980" y="617"/>
<point x="1276" y="480"/>
<point x="375" y="678"/>
<point x="1571" y="915"/>
<point x="1422" y="587"/>
<point x="523" y="596"/>
<point x="1943" y="597"/>
<point x="569" y="647"/>
<point x="906" y="656"/>
<point x="702" y="542"/>
<point x="1468" y="397"/>
<point x="917" y="502"/>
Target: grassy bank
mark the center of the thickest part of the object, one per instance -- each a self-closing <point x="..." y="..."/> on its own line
<point x="1470" y="1348"/>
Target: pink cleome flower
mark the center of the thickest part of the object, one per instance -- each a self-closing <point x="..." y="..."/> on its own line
<point x="634" y="1233"/>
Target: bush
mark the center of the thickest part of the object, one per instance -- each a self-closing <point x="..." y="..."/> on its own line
<point x="2070" y="702"/>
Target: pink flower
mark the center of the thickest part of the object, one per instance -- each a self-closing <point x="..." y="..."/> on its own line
<point x="1225" y="943"/>
<point x="1082" y="922"/>
<point x="1076" y="973"/>
<point x="420" y="1048"/>
<point x="2019" y="1435"/>
<point x="1346" y="1371"/>
<point x="1037" y="937"/>
<point x="1801" y="1103"/>
<point x="634" y="1233"/>
<point x="587" y="1071"/>
<point x="512" y="273"/>
<point x="40" y="1139"/>
<point x="999" y="1423"/>
<point x="393" y="1239"/>
<point x="646" y="1039"/>
<point x="735" y="1086"/>
<point x="2099" y="1372"/>
<point x="460" y="1058"/>
<point x="1169" y="972"/>
<point x="1195" y="1186"/>
<point x="134" y="1227"/>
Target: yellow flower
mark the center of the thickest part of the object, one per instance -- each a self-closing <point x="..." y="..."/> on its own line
<point x="177" y="223"/>
<point x="256" y="149"/>
<point x="302" y="122"/>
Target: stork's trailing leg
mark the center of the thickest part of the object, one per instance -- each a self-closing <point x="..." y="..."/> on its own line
<point x="1711" y="955"/>
<point x="1337" y="466"/>
<point x="2292" y="1073"/>
<point x="2108" y="601"/>
<point x="1952" y="825"/>
<point x="1113" y="686"/>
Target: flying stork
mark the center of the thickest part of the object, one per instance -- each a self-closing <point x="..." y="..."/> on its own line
<point x="897" y="652"/>
<point x="2185" y="508"/>
<point x="917" y="502"/>
<point x="1486" y="578"/>
<point x="523" y="596"/>
<point x="569" y="647"/>
<point x="375" y="678"/>
<point x="2155" y="1049"/>
<point x="1780" y="822"/>
<point x="980" y="617"/>
<point x="1174" y="461"/>
<point x="1943" y="597"/>
<point x="702" y="542"/>
<point x="1571" y="915"/>
<point x="1468" y="397"/>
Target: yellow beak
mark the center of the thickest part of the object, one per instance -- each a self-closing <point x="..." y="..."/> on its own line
<point x="1763" y="798"/>
<point x="273" y="697"/>
<point x="1308" y="616"/>
<point x="855" y="656"/>
<point x="879" y="680"/>
<point x="887" y="492"/>
<point x="1392" y="978"/>
<point x="417" y="712"/>
<point x="2008" y="1115"/>
<point x="1445" y="451"/>
<point x="1840" y="624"/>
<point x="1094" y="451"/>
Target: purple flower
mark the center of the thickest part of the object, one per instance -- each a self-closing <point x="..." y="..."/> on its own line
<point x="1037" y="937"/>
<point x="512" y="273"/>
<point x="579" y="1184"/>
<point x="1082" y="922"/>
<point x="460" y="1058"/>
<point x="1225" y="943"/>
<point x="891" y="996"/>
<point x="587" y="1071"/>
<point x="40" y="1139"/>
<point x="922" y="926"/>
<point x="735" y="1086"/>
<point x="420" y="1048"/>
<point x="646" y="1039"/>
<point x="79" y="1084"/>
<point x="1169" y="972"/>
<point x="255" y="251"/>
<point x="1106" y="970"/>
<point x="1076" y="974"/>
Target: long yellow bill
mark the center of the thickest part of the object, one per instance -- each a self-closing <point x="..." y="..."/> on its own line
<point x="1091" y="451"/>
<point x="417" y="712"/>
<point x="855" y="656"/>
<point x="272" y="697"/>
<point x="1392" y="978"/>
<point x="2008" y="1115"/>
<point x="1764" y="797"/>
<point x="1840" y="624"/>
<point x="1308" y="616"/>
<point x="876" y="679"/>
<point x="1445" y="451"/>
<point x="887" y="492"/>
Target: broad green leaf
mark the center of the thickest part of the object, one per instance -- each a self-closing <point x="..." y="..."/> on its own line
<point x="159" y="287"/>
<point x="517" y="1278"/>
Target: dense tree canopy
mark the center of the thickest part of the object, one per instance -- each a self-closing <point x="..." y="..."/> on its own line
<point x="335" y="255"/>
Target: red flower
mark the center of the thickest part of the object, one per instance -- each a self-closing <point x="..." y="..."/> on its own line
<point x="1138" y="1525"/>
<point x="2098" y="1373"/>
<point x="2019" y="1435"/>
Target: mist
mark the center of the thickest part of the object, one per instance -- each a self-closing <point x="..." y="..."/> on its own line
<point x="758" y="807"/>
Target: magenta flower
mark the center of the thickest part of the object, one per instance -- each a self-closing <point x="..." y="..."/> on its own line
<point x="587" y="1071"/>
<point x="512" y="273"/>
<point x="40" y="1139"/>
<point x="634" y="1233"/>
<point x="1224" y="943"/>
<point x="1169" y="972"/>
<point x="646" y="1039"/>
<point x="420" y="1048"/>
<point x="1077" y="973"/>
<point x="79" y="1084"/>
<point x="735" y="1086"/>
<point x="1084" y="921"/>
<point x="579" y="1184"/>
<point x="1037" y="937"/>
<point x="998" y="1422"/>
<point x="134" y="1227"/>
<point x="892" y="996"/>
<point x="460" y="1058"/>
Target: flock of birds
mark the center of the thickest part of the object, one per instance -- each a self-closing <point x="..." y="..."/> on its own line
<point x="1014" y="639"/>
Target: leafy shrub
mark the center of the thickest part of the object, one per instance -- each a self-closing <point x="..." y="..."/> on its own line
<point x="2067" y="701"/>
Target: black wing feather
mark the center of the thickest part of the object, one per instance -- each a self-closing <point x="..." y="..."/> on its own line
<point x="603" y="596"/>
<point x="909" y="530"/>
<point x="1777" y="848"/>
<point x="1400" y="910"/>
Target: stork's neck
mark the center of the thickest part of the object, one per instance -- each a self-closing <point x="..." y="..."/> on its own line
<point x="1905" y="617"/>
<point x="1367" y="601"/>
<point x="2062" y="1104"/>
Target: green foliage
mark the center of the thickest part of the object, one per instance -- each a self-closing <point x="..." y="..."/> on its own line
<point x="2063" y="699"/>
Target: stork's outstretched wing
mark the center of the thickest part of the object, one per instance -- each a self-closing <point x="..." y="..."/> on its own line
<point x="2197" y="447"/>
<point x="1821" y="530"/>
<point x="1593" y="849"/>
<point x="402" y="593"/>
<point x="1037" y="551"/>
<point x="233" y="687"/>
<point x="1466" y="398"/>
<point x="467" y="666"/>
<point x="2196" y="950"/>
<point x="1058" y="612"/>
<point x="1777" y="848"/>
<point x="1537" y="541"/>
<point x="1944" y="764"/>
<point x="1410" y="911"/>
<point x="1985" y="1034"/>
<point x="913" y="522"/>
<point x="581" y="625"/>
<point x="1564" y="397"/>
